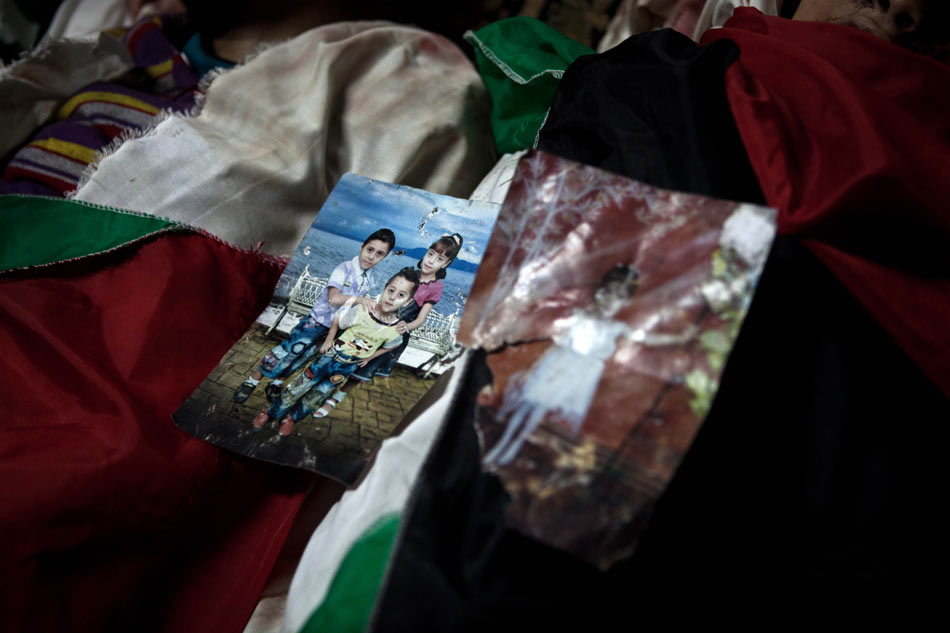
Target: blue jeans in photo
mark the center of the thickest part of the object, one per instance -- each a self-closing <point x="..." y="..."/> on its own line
<point x="305" y="392"/>
<point x="295" y="351"/>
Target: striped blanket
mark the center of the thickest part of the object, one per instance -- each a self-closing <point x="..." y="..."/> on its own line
<point x="55" y="158"/>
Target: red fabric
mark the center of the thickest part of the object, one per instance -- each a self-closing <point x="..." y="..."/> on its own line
<point x="113" y="519"/>
<point x="849" y="136"/>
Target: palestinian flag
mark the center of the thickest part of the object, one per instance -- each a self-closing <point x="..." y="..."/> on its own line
<point x="812" y="486"/>
<point x="113" y="519"/>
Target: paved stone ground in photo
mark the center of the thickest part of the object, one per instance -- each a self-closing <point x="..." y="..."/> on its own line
<point x="338" y="445"/>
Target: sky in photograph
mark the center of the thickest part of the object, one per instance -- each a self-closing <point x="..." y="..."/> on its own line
<point x="357" y="206"/>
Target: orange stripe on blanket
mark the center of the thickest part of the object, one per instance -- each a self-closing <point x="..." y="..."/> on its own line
<point x="107" y="97"/>
<point x="74" y="151"/>
<point x="160" y="69"/>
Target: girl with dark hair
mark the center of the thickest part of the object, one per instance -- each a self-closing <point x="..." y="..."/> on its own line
<point x="412" y="315"/>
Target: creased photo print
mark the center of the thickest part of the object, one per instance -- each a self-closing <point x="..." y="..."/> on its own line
<point x="608" y="308"/>
<point x="362" y="320"/>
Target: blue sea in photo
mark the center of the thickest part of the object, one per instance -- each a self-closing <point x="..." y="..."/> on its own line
<point x="358" y="206"/>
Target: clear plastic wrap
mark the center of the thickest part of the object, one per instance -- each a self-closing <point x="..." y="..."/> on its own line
<point x="608" y="308"/>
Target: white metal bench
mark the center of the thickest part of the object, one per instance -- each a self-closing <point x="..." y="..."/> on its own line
<point x="303" y="295"/>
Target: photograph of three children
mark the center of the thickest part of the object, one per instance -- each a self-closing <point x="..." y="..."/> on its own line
<point x="371" y="298"/>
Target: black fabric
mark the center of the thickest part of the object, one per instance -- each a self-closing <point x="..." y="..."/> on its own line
<point x="816" y="470"/>
<point x="453" y="569"/>
<point x="813" y="486"/>
<point x="654" y="108"/>
<point x="789" y="7"/>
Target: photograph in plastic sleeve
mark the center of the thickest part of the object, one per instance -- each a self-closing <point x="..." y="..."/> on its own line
<point x="608" y="308"/>
<point x="362" y="321"/>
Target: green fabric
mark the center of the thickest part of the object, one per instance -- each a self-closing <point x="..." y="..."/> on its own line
<point x="521" y="61"/>
<point x="36" y="230"/>
<point x="352" y="594"/>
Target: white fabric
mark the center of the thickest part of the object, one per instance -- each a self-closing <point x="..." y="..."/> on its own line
<point x="85" y="19"/>
<point x="633" y="17"/>
<point x="716" y="12"/>
<point x="638" y="16"/>
<point x="384" y="101"/>
<point x="494" y="186"/>
<point x="384" y="492"/>
<point x="268" y="615"/>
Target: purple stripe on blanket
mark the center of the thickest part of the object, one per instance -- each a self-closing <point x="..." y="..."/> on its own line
<point x="184" y="75"/>
<point x="73" y="131"/>
<point x="28" y="187"/>
<point x="149" y="45"/>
